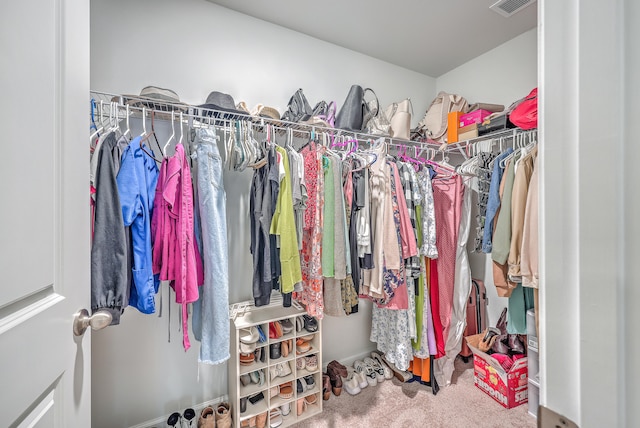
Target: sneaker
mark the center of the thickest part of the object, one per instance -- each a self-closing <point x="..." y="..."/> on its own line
<point x="361" y="367"/>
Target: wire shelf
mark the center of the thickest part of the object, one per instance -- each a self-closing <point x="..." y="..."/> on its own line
<point x="119" y="107"/>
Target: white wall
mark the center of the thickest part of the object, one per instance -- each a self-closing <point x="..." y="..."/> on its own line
<point x="500" y="76"/>
<point x="195" y="47"/>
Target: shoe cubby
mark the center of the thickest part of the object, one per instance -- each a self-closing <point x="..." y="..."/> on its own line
<point x="282" y="346"/>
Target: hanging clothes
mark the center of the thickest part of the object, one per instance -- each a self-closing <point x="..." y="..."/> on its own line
<point x="311" y="255"/>
<point x="176" y="255"/>
<point x="211" y="311"/>
<point x="502" y="234"/>
<point x="448" y="193"/>
<point x="110" y="272"/>
<point x="444" y="367"/>
<point x="484" y="187"/>
<point x="137" y="180"/>
<point x="260" y="219"/>
<point x="493" y="201"/>
<point x="283" y="225"/>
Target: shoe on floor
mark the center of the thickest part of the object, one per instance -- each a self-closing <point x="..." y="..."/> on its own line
<point x="207" y="418"/>
<point x="388" y="373"/>
<point x="223" y="415"/>
<point x="377" y="368"/>
<point x="352" y="383"/>
<point x="361" y="367"/>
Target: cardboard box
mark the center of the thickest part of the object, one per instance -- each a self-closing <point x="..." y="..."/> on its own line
<point x="468" y="132"/>
<point x="476" y="116"/>
<point x="509" y="388"/>
<point x="453" y="118"/>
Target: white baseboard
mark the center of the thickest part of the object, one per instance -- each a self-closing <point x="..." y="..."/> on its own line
<point x="162" y="421"/>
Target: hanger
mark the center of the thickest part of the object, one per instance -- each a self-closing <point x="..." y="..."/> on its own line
<point x="99" y="129"/>
<point x="127" y="132"/>
<point x="172" y="137"/>
<point x="144" y="136"/>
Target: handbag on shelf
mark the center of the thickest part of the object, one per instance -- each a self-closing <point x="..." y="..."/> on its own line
<point x="399" y="116"/>
<point x="377" y="122"/>
<point x="435" y="121"/>
<point x="525" y="115"/>
<point x="298" y="108"/>
<point x="353" y="111"/>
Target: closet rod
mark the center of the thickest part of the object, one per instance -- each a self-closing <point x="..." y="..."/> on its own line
<point x="221" y="118"/>
<point x="217" y="117"/>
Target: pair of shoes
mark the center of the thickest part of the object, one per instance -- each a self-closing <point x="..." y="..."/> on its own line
<point x="256" y="376"/>
<point x="309" y="381"/>
<point x="275" y="350"/>
<point x="285" y="390"/>
<point x="275" y="330"/>
<point x="367" y="370"/>
<point x="310" y="323"/>
<point x="248" y="423"/>
<point x="287" y="326"/>
<point x="186" y="419"/>
<point x="247" y="359"/>
<point x="388" y="373"/>
<point x="303" y="403"/>
<point x="377" y="368"/>
<point x="286" y="347"/>
<point x="221" y="418"/>
<point x="311" y="362"/>
<point x="336" y="381"/>
<point x="326" y="387"/>
<point x="303" y="345"/>
<point x="279" y="370"/>
<point x="401" y="375"/>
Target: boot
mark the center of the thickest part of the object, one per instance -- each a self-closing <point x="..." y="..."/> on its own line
<point x="338" y="368"/>
<point x="207" y="418"/>
<point x="336" y="381"/>
<point x="502" y="322"/>
<point x="223" y="416"/>
<point x="500" y="345"/>
<point x="326" y="387"/>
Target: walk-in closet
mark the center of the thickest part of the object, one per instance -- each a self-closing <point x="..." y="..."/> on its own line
<point x="252" y="250"/>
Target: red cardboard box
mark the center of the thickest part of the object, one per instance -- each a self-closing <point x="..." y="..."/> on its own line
<point x="509" y="388"/>
<point x="476" y="116"/>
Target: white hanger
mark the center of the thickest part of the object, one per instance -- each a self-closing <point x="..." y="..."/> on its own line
<point x="144" y="122"/>
<point x="181" y="130"/>
<point x="173" y="133"/>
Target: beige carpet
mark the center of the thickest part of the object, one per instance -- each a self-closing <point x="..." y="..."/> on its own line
<point x="392" y="404"/>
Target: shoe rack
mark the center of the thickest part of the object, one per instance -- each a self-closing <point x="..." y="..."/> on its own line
<point x="303" y="405"/>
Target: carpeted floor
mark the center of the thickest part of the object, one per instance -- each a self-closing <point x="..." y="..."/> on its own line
<point x="392" y="404"/>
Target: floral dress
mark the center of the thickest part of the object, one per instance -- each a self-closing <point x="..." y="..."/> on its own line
<point x="310" y="260"/>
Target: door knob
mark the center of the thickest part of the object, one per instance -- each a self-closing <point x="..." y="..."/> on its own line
<point x="97" y="321"/>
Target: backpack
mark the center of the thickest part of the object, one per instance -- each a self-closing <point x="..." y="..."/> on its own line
<point x="525" y="114"/>
<point x="435" y="120"/>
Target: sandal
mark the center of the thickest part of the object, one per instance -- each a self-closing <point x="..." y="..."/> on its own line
<point x="310" y="399"/>
<point x="286" y="391"/>
<point x="275" y="418"/>
<point x="302" y="346"/>
<point x="284" y="348"/>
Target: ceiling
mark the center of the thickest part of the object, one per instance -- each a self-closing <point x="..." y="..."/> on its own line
<point x="431" y="37"/>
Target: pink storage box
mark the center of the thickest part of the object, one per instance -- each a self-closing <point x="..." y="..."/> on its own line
<point x="473" y="117"/>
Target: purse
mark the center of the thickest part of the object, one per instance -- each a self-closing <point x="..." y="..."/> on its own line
<point x="399" y="116"/>
<point x="525" y="115"/>
<point x="377" y="122"/>
<point x="298" y="108"/>
<point x="353" y="111"/>
<point x="435" y="123"/>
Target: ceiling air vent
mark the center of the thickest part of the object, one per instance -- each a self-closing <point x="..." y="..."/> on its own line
<point x="507" y="8"/>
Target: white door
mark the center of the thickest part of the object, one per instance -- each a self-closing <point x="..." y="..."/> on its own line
<point x="45" y="372"/>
